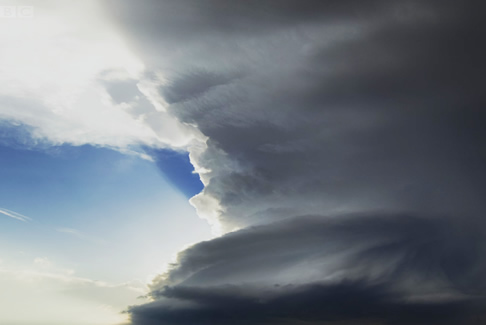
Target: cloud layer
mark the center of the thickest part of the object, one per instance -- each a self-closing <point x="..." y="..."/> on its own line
<point x="329" y="110"/>
<point x="345" y="143"/>
<point x="318" y="106"/>
<point x="359" y="269"/>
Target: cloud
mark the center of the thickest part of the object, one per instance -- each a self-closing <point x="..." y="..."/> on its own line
<point x="14" y="215"/>
<point x="345" y="303"/>
<point x="338" y="247"/>
<point x="84" y="86"/>
<point x="294" y="111"/>
<point x="358" y="269"/>
<point x="42" y="262"/>
<point x="320" y="108"/>
<point x="79" y="234"/>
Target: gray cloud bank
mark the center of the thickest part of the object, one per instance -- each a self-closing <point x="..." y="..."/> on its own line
<point x="360" y="269"/>
<point x="325" y="108"/>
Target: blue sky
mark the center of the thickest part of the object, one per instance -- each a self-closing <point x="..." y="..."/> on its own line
<point x="84" y="201"/>
<point x="177" y="169"/>
<point x="92" y="214"/>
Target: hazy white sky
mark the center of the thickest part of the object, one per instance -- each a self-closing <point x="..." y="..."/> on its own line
<point x="93" y="236"/>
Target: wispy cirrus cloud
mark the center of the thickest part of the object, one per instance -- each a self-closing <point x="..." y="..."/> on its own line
<point x="79" y="234"/>
<point x="15" y="215"/>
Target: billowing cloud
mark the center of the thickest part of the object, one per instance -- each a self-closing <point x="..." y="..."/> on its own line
<point x="345" y="303"/>
<point x="83" y="85"/>
<point x="301" y="117"/>
<point x="329" y="107"/>
<point x="358" y="269"/>
<point x="331" y="110"/>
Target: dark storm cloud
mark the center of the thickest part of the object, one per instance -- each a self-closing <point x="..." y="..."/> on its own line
<point x="326" y="108"/>
<point x="379" y="111"/>
<point x="192" y="18"/>
<point x="366" y="269"/>
<point x="345" y="303"/>
<point x="193" y="85"/>
<point x="445" y="253"/>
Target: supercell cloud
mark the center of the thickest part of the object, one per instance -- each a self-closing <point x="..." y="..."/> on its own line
<point x="342" y="149"/>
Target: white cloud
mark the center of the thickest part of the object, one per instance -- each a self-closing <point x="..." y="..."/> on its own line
<point x="42" y="262"/>
<point x="14" y="215"/>
<point x="80" y="235"/>
<point x="54" y="67"/>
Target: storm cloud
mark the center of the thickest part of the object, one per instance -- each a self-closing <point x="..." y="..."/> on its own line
<point x="311" y="116"/>
<point x="359" y="269"/>
<point x="331" y="107"/>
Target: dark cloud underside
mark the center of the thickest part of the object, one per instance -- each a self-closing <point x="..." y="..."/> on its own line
<point x="363" y="269"/>
<point x="325" y="108"/>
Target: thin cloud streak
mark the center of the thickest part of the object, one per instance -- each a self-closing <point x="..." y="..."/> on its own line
<point x="15" y="215"/>
<point x="79" y="234"/>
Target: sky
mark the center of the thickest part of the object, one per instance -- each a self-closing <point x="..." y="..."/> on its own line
<point x="255" y="162"/>
<point x="86" y="229"/>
